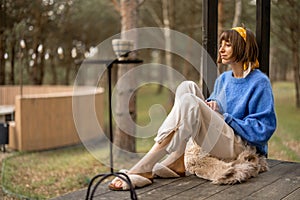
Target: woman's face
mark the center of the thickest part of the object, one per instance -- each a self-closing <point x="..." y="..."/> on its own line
<point x="225" y="52"/>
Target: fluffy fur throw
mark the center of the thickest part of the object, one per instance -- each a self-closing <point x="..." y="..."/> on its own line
<point x="248" y="164"/>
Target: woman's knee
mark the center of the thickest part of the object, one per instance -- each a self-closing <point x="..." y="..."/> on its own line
<point x="189" y="100"/>
<point x="186" y="87"/>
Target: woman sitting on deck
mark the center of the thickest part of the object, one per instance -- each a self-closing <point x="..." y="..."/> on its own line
<point x="238" y="114"/>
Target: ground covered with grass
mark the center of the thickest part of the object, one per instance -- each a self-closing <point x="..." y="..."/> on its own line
<point x="48" y="174"/>
<point x="42" y="175"/>
<point x="285" y="143"/>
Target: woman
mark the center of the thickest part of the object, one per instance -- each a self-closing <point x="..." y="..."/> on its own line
<point x="239" y="113"/>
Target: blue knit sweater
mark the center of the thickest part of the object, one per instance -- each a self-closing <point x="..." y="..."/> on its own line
<point x="247" y="105"/>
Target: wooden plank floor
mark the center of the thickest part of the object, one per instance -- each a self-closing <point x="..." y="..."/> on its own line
<point x="281" y="182"/>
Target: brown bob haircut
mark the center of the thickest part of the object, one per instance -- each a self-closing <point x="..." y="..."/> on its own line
<point x="242" y="51"/>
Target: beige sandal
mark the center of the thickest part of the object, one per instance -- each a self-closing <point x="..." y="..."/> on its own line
<point x="137" y="181"/>
<point x="162" y="171"/>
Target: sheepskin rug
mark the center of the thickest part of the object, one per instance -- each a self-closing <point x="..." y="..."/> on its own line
<point x="248" y="164"/>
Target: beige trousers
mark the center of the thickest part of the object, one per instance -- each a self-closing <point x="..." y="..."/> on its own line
<point x="190" y="117"/>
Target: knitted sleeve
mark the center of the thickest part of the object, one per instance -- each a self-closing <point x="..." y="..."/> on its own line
<point x="258" y="126"/>
<point x="218" y="93"/>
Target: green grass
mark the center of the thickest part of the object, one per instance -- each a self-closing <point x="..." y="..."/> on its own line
<point x="46" y="174"/>
<point x="42" y="175"/>
<point x="285" y="143"/>
<point x="152" y="109"/>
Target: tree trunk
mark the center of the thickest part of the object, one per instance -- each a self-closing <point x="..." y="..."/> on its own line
<point x="168" y="21"/>
<point x="37" y="74"/>
<point x="191" y="31"/>
<point x="167" y="6"/>
<point x="2" y="60"/>
<point x="2" y="43"/>
<point x="125" y="140"/>
<point x="221" y="21"/>
<point x="68" y="65"/>
<point x="220" y="16"/>
<point x="53" y="68"/>
<point x="12" y="63"/>
<point x="295" y="47"/>
<point x="237" y="13"/>
<point x="297" y="77"/>
<point x="42" y="66"/>
<point x="295" y="55"/>
<point x="273" y="66"/>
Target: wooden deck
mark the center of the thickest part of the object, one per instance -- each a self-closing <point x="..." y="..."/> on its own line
<point x="281" y="182"/>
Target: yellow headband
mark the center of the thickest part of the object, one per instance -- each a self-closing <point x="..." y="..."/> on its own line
<point x="241" y="31"/>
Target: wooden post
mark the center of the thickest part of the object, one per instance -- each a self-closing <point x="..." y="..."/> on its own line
<point x="209" y="42"/>
<point x="263" y="33"/>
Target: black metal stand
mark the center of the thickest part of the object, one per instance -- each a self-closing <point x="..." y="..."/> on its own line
<point x="89" y="195"/>
<point x="109" y="67"/>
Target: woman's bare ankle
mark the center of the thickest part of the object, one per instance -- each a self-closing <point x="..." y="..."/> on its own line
<point x="144" y="174"/>
<point x="178" y="165"/>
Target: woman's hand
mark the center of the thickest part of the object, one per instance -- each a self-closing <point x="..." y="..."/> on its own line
<point x="213" y="105"/>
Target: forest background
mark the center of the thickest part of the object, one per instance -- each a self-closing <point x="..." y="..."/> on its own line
<point x="47" y="37"/>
